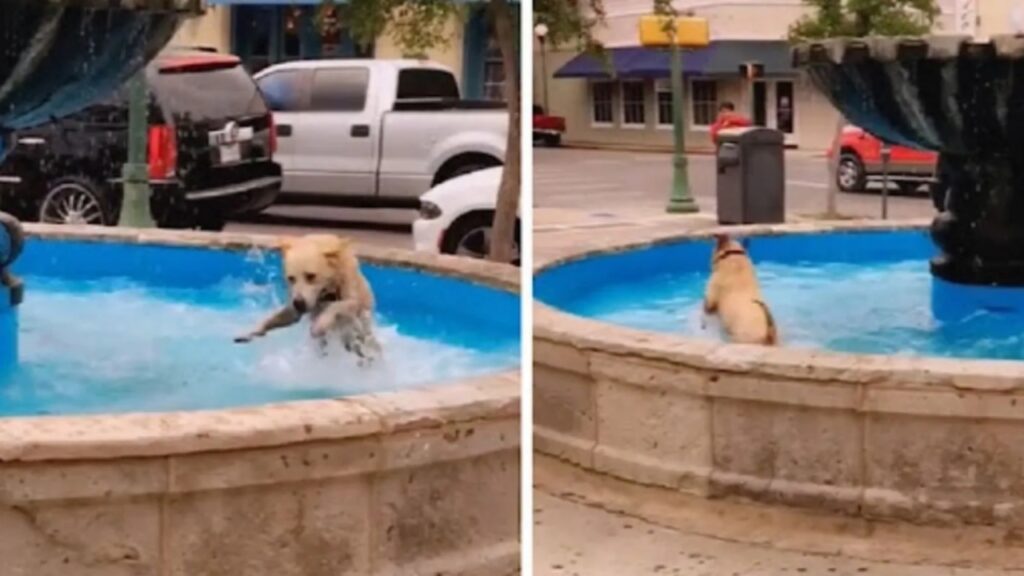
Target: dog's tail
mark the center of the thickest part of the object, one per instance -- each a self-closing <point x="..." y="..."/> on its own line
<point x="772" y="337"/>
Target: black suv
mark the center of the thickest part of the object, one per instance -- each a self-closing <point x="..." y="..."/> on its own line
<point x="210" y="148"/>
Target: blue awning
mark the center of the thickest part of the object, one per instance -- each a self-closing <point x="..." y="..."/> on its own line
<point x="722" y="57"/>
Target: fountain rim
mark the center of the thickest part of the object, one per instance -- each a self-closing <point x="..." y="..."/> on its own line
<point x="142" y="434"/>
<point x="558" y="327"/>
<point x="851" y="50"/>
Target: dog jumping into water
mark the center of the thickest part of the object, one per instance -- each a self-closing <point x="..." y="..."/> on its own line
<point x="324" y="281"/>
<point x="735" y="296"/>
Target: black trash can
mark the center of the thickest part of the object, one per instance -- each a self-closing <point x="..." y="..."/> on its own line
<point x="751" y="182"/>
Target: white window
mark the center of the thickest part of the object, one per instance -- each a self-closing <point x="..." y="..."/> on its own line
<point x="663" y="100"/>
<point x="704" y="95"/>
<point x="633" y="103"/>
<point x="601" y="103"/>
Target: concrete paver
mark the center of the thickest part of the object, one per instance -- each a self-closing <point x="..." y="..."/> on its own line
<point x="573" y="539"/>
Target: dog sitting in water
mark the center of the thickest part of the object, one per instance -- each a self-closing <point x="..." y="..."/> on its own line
<point x="734" y="295"/>
<point x="324" y="281"/>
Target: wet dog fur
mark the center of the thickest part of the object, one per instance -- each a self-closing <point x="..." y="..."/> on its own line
<point x="734" y="295"/>
<point x="324" y="281"/>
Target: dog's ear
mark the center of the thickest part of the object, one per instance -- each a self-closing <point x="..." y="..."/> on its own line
<point x="336" y="251"/>
<point x="286" y="244"/>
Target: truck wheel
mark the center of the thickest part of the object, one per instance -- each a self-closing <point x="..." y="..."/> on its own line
<point x="851" y="176"/>
<point x="464" y="169"/>
<point x="76" y="200"/>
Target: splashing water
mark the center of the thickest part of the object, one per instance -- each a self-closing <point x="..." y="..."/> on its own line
<point x="114" y="345"/>
<point x="870" y="307"/>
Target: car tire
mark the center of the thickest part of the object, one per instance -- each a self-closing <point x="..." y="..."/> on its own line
<point x="76" y="200"/>
<point x="470" y="236"/>
<point x="553" y="140"/>
<point x="851" y="175"/>
<point x="909" y="188"/>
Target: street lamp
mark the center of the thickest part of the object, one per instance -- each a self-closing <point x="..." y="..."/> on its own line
<point x="658" y="31"/>
<point x="541" y="30"/>
<point x="135" y="210"/>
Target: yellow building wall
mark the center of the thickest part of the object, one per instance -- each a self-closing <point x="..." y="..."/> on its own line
<point x="211" y="29"/>
<point x="450" y="54"/>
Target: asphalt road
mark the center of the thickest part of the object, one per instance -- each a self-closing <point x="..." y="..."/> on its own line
<point x="639" y="182"/>
<point x="379" y="227"/>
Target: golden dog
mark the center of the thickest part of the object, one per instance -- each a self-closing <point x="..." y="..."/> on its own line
<point x="325" y="281"/>
<point x="733" y="293"/>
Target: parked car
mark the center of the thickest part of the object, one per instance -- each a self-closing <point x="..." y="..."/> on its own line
<point x="376" y="132"/>
<point x="860" y="162"/>
<point x="210" y="151"/>
<point x="547" y="129"/>
<point x="456" y="216"/>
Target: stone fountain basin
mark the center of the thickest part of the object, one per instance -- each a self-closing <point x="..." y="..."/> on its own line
<point x="920" y="439"/>
<point x="417" y="481"/>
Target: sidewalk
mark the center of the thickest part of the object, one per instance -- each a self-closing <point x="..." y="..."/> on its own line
<point x="588" y="524"/>
<point x="573" y="539"/>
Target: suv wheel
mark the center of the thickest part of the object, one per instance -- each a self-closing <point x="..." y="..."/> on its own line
<point x="76" y="200"/>
<point x="851" y="176"/>
<point x="470" y="236"/>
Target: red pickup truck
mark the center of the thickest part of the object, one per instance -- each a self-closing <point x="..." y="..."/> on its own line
<point x="860" y="162"/>
<point x="547" y="129"/>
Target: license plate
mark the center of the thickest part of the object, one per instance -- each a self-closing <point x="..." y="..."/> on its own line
<point x="230" y="153"/>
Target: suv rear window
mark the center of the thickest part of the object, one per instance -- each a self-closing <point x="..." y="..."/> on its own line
<point x="427" y="84"/>
<point x="209" y="94"/>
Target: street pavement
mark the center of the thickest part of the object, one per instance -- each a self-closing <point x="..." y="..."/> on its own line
<point x="379" y="227"/>
<point x="574" y="539"/>
<point x="583" y="184"/>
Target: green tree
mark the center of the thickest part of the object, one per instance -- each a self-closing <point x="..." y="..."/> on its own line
<point x="859" y="18"/>
<point x="419" y="25"/>
<point x="570" y="22"/>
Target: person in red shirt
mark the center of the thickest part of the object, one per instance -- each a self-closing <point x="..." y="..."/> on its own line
<point x="727" y="118"/>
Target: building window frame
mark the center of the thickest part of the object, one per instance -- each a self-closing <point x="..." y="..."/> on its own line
<point x="663" y="86"/>
<point x="592" y="93"/>
<point x="628" y="108"/>
<point x="494" y="67"/>
<point x="699" y="102"/>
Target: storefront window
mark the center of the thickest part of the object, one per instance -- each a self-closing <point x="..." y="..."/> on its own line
<point x="663" y="90"/>
<point x="601" y="102"/>
<point x="633" y="97"/>
<point x="704" y="95"/>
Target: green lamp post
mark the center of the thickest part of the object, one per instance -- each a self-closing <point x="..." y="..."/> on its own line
<point x="135" y="210"/>
<point x="659" y="31"/>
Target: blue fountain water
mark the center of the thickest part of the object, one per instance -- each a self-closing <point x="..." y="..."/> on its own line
<point x="866" y="292"/>
<point x="109" y="327"/>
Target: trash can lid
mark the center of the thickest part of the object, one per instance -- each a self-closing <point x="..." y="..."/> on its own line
<point x="752" y="135"/>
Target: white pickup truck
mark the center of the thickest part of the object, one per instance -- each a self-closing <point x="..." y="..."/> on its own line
<point x="376" y="132"/>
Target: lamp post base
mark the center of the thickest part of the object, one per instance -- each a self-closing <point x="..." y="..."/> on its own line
<point x="682" y="206"/>
<point x="135" y="210"/>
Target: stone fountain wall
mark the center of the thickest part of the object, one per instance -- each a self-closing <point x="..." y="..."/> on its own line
<point x="925" y="440"/>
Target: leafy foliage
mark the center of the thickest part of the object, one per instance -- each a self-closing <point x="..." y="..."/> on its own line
<point x="835" y="18"/>
<point x="569" y="22"/>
